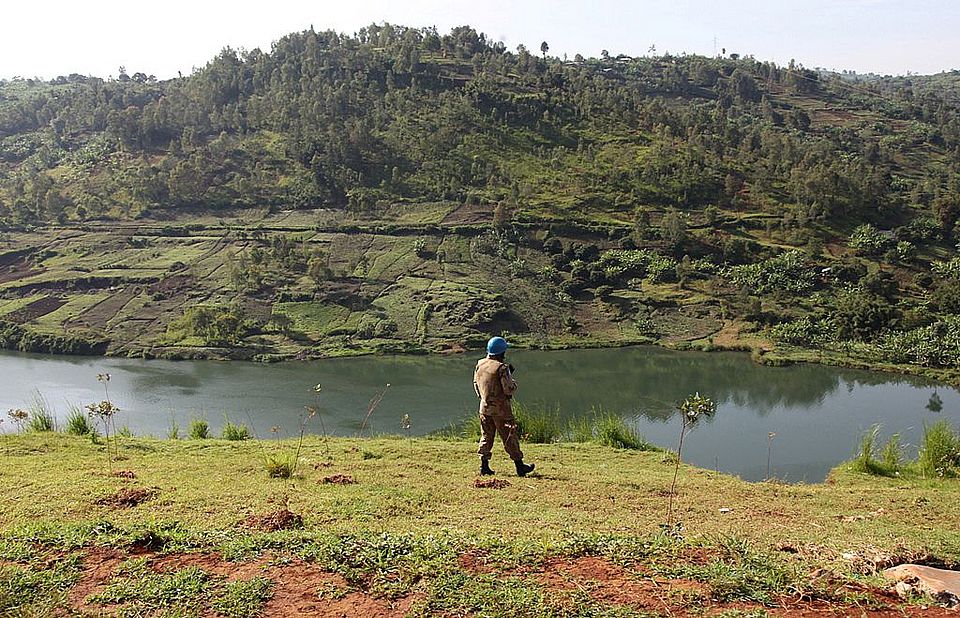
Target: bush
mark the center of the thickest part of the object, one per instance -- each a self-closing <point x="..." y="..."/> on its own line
<point x="787" y="272"/>
<point x="199" y="429"/>
<point x="868" y="240"/>
<point x="78" y="423"/>
<point x="235" y="432"/>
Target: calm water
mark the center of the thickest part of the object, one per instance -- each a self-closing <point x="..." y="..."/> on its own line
<point x="816" y="412"/>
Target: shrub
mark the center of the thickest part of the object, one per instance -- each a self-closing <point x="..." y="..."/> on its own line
<point x="868" y="240"/>
<point x="235" y="432"/>
<point x="199" y="429"/>
<point x="787" y="272"/>
<point x="78" y="423"/>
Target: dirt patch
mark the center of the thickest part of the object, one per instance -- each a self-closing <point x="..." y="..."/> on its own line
<point x="172" y="286"/>
<point x="305" y="589"/>
<point x="477" y="562"/>
<point x="467" y="214"/>
<point x="16" y="266"/>
<point x="34" y="310"/>
<point x="100" y="314"/>
<point x="612" y="584"/>
<point x="128" y="497"/>
<point x="338" y="479"/>
<point x="491" y="483"/>
<point x="124" y="474"/>
<point x="281" y="519"/>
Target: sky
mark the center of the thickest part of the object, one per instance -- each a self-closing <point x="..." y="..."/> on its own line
<point x="42" y="38"/>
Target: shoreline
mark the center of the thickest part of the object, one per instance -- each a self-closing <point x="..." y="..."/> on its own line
<point x="766" y="355"/>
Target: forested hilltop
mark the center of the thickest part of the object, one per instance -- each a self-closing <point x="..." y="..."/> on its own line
<point x="405" y="190"/>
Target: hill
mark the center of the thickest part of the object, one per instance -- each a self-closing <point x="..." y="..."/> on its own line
<point x="403" y="190"/>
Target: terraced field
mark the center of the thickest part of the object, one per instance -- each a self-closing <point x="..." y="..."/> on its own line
<point x="427" y="279"/>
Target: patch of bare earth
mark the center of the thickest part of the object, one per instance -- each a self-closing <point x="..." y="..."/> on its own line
<point x="34" y="310"/>
<point x="128" y="497"/>
<point x="469" y="213"/>
<point x="611" y="584"/>
<point x="281" y="519"/>
<point x="299" y="588"/>
<point x="338" y="479"/>
<point x="491" y="483"/>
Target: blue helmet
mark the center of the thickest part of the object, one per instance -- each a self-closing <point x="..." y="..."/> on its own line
<point x="497" y="345"/>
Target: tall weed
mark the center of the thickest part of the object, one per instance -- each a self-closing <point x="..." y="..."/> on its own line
<point x="939" y="451"/>
<point x="41" y="416"/>
<point x="199" y="429"/>
<point x="235" y="432"/>
<point x="78" y="423"/>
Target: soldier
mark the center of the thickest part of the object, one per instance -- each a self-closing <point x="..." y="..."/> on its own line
<point x="495" y="386"/>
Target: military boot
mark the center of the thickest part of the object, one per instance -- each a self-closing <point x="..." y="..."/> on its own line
<point x="485" y="467"/>
<point x="524" y="469"/>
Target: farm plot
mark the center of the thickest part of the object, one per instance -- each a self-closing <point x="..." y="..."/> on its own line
<point x="24" y="310"/>
<point x="76" y="305"/>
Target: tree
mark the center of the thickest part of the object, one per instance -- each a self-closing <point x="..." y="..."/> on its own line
<point x="544" y="48"/>
<point x="673" y="230"/>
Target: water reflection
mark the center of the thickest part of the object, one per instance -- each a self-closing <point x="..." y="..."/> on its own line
<point x="816" y="411"/>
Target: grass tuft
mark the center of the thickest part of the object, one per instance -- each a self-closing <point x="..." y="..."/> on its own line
<point x="199" y="429"/>
<point x="243" y="599"/>
<point x="612" y="430"/>
<point x="538" y="425"/>
<point x="235" y="432"/>
<point x="78" y="423"/>
<point x="939" y="451"/>
<point x="280" y="465"/>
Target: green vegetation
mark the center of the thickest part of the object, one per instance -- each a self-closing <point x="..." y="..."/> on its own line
<point x="402" y="190"/>
<point x="233" y="431"/>
<point x="938" y="455"/>
<point x="78" y="423"/>
<point x="199" y="429"/>
<point x="407" y="530"/>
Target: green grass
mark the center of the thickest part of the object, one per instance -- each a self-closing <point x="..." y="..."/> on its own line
<point x="235" y="431"/>
<point x="938" y="456"/>
<point x="424" y="485"/>
<point x="403" y="528"/>
<point x="141" y="590"/>
<point x="243" y="599"/>
<point x="940" y="450"/>
<point x="37" y="589"/>
<point x="78" y="423"/>
<point x="199" y="429"/>
<point x="41" y="416"/>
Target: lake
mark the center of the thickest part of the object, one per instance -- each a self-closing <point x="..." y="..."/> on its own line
<point x="816" y="412"/>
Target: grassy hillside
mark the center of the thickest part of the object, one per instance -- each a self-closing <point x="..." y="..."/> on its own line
<point x="402" y="190"/>
<point x="400" y="526"/>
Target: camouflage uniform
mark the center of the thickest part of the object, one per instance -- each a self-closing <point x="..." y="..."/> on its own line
<point x="495" y="386"/>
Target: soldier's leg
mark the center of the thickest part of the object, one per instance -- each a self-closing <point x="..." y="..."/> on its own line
<point x="488" y="431"/>
<point x="509" y="435"/>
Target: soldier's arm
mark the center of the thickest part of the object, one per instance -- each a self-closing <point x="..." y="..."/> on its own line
<point x="507" y="382"/>
<point x="476" y="387"/>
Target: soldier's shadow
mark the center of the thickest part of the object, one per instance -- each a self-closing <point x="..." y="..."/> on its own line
<point x="544" y="477"/>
